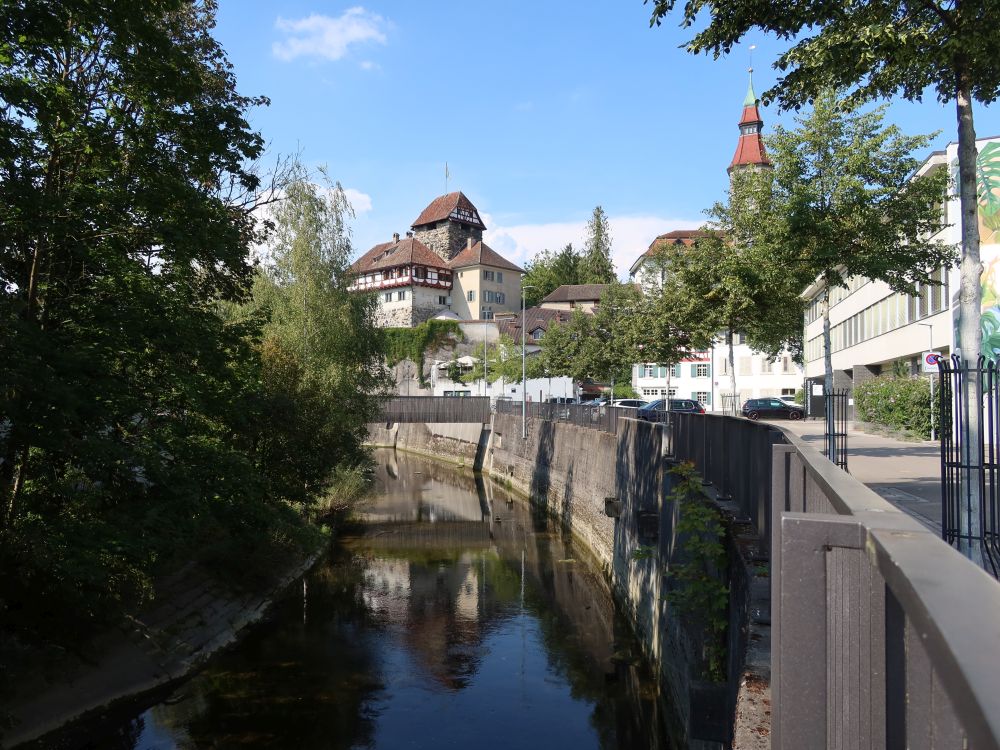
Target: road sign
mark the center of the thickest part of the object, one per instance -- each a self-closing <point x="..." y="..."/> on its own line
<point x="929" y="362"/>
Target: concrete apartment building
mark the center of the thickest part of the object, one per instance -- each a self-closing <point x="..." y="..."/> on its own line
<point x="872" y="327"/>
<point x="441" y="265"/>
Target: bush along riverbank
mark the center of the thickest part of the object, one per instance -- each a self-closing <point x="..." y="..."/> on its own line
<point x="192" y="612"/>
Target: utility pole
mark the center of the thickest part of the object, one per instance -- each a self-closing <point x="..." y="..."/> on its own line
<point x="524" y="371"/>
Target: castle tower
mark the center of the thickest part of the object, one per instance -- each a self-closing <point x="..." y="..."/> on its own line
<point x="750" y="147"/>
<point x="448" y="224"/>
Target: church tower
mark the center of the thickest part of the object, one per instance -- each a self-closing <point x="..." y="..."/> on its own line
<point x="750" y="147"/>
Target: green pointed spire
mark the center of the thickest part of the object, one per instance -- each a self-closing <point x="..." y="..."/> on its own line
<point x="751" y="97"/>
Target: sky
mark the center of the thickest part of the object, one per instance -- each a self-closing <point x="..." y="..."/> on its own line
<point x="541" y="110"/>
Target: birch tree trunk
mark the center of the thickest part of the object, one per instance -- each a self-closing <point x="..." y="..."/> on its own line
<point x="969" y="341"/>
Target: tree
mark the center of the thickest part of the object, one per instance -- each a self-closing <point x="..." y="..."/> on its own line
<point x="548" y="271"/>
<point x="322" y="352"/>
<point x="564" y="346"/>
<point x="124" y="190"/>
<point x="730" y="280"/>
<point x="880" y="49"/>
<point x="126" y="193"/>
<point x="595" y="264"/>
<point x="845" y="205"/>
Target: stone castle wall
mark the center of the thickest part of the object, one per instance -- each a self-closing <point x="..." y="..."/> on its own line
<point x="448" y="238"/>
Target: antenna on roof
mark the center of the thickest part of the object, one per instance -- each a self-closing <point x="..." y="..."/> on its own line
<point x="750" y="69"/>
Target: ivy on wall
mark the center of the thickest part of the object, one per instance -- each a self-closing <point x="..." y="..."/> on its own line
<point x="413" y="343"/>
<point x="697" y="576"/>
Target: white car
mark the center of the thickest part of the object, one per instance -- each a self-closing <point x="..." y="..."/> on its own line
<point x="790" y="400"/>
<point x="629" y="403"/>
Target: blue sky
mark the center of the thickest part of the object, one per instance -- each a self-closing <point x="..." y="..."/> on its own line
<point x="541" y="109"/>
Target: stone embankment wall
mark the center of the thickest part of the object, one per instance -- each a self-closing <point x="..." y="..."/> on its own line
<point x="457" y="443"/>
<point x="574" y="472"/>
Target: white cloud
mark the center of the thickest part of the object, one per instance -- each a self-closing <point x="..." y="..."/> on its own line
<point x="630" y="237"/>
<point x="369" y="65"/>
<point x="360" y="202"/>
<point x="327" y="37"/>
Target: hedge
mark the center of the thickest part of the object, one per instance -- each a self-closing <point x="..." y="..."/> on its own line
<point x="900" y="403"/>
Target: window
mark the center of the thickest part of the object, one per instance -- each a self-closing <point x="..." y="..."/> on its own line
<point x="401" y="294"/>
<point x="701" y="371"/>
<point x="537" y="334"/>
<point x="673" y="392"/>
<point x="387" y="297"/>
<point x="472" y="295"/>
<point x="648" y="371"/>
<point x="787" y="391"/>
<point x="499" y="277"/>
<point x="419" y="272"/>
<point x="488" y="276"/>
<point x="702" y="397"/>
<point x="675" y="372"/>
<point x="501" y="298"/>
<point x="787" y="367"/>
<point x="486" y="314"/>
<point x="746" y="366"/>
<point x="442" y="300"/>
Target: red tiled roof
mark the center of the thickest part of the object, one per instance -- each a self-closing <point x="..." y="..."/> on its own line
<point x="576" y="293"/>
<point x="686" y="237"/>
<point x="454" y="206"/>
<point x="537" y="317"/>
<point x="482" y="254"/>
<point x="404" y="252"/>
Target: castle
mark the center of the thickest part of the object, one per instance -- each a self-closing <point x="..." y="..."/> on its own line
<point x="442" y="268"/>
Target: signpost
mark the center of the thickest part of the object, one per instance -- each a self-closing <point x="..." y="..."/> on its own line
<point x="929" y="366"/>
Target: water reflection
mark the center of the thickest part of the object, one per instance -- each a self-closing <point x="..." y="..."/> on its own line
<point x="447" y="616"/>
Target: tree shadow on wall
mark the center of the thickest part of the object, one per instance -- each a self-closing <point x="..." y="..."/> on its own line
<point x="540" y="474"/>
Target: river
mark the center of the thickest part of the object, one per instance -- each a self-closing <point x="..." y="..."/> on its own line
<point x="448" y="614"/>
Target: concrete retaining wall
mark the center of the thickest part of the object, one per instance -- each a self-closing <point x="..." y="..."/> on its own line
<point x="457" y="443"/>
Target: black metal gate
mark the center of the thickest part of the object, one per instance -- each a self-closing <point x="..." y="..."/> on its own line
<point x="835" y="410"/>
<point x="970" y="517"/>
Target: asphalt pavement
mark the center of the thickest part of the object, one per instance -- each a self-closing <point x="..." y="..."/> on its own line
<point x="907" y="474"/>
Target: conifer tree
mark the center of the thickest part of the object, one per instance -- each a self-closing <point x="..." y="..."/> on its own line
<point x="595" y="264"/>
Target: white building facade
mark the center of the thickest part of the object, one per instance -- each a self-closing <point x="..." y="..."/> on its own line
<point x="873" y="327"/>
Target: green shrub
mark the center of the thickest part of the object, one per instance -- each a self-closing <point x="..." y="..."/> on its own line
<point x="900" y="403"/>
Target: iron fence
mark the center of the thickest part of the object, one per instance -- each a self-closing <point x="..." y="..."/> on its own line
<point x="583" y="415"/>
<point x="437" y="409"/>
<point x="835" y="409"/>
<point x="969" y="409"/>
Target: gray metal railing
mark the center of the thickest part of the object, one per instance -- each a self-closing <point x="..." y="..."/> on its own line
<point x="603" y="418"/>
<point x="882" y="634"/>
<point x="437" y="409"/>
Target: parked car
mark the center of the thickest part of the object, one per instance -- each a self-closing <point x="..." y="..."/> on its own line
<point x="629" y="403"/>
<point x="790" y="400"/>
<point x="654" y="410"/>
<point x="771" y="408"/>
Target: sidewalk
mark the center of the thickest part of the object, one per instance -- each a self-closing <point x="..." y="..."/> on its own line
<point x="908" y="475"/>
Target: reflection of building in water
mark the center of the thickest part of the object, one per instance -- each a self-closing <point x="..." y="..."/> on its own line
<point x="438" y="606"/>
<point x="386" y="587"/>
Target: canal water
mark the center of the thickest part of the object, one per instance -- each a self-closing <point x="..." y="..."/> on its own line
<point x="450" y="615"/>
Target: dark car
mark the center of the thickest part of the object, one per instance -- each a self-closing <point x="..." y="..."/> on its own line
<point x="654" y="410"/>
<point x="771" y="408"/>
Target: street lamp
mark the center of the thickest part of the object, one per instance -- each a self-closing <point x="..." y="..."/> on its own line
<point x="930" y="348"/>
<point x="524" y="371"/>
